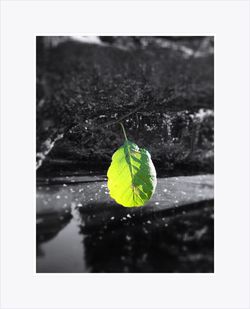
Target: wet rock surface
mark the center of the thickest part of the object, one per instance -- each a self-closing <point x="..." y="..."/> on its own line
<point x="91" y="233"/>
<point x="177" y="241"/>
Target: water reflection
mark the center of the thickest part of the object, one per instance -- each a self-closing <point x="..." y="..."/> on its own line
<point x="64" y="251"/>
<point x="80" y="229"/>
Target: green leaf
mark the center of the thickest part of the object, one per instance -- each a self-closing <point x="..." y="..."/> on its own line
<point x="131" y="176"/>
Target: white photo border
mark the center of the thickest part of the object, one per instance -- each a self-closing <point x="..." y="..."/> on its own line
<point x="21" y="22"/>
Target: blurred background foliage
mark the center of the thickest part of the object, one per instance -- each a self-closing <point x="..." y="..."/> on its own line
<point x="161" y="88"/>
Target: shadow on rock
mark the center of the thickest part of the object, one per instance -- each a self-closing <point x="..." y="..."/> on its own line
<point x="120" y="239"/>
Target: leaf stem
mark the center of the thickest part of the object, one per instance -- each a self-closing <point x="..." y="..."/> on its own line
<point x="124" y="132"/>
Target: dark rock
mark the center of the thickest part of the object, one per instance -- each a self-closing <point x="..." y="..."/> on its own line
<point x="183" y="242"/>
